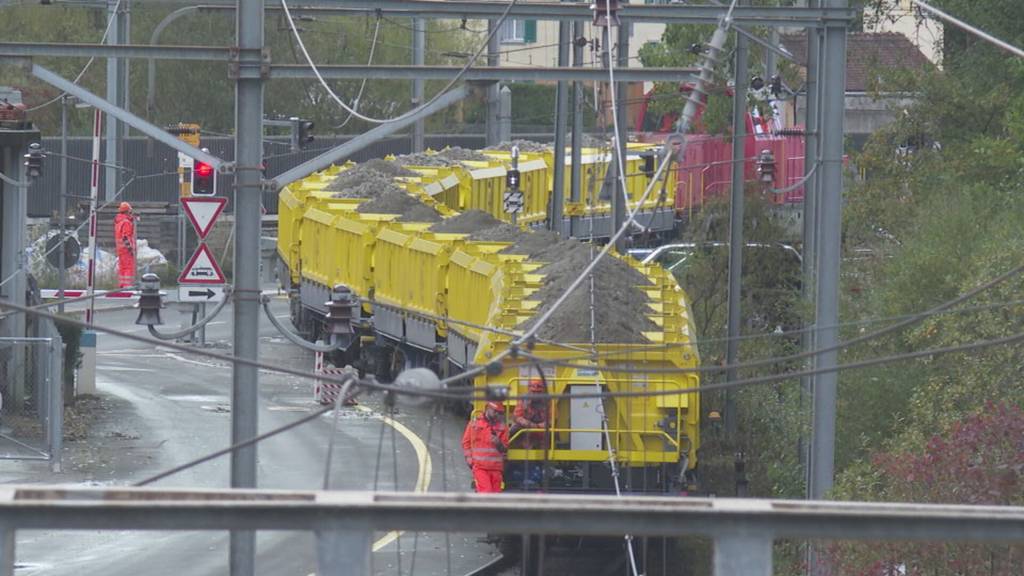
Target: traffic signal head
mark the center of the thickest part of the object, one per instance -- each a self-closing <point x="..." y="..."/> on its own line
<point x="34" y="160"/>
<point x="204" y="179"/>
<point x="512" y="179"/>
<point x="305" y="132"/>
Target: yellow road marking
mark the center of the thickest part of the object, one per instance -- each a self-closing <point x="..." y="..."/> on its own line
<point x="422" y="476"/>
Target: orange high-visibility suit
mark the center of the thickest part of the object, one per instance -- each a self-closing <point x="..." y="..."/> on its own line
<point x="484" y="444"/>
<point x="124" y="240"/>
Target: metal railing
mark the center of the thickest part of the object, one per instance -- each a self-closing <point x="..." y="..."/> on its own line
<point x="344" y="522"/>
<point x="32" y="413"/>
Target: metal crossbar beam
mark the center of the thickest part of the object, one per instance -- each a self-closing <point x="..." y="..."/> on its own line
<point x="41" y="507"/>
<point x="30" y="49"/>
<point x="785" y="16"/>
<point x="482" y="73"/>
<point x="123" y="115"/>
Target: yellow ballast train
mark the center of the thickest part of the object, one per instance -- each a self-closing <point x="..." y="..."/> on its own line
<point x="442" y="283"/>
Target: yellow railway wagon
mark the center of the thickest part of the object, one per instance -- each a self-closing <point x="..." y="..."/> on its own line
<point x="444" y="301"/>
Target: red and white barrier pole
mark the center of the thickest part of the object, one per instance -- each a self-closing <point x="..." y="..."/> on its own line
<point x="94" y="189"/>
<point x="318" y="369"/>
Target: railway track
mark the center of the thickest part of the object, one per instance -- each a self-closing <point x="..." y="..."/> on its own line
<point x="558" y="560"/>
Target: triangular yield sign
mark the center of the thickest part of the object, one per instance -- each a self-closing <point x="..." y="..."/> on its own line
<point x="202" y="269"/>
<point x="203" y="212"/>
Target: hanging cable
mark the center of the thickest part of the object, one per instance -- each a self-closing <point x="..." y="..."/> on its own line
<point x="615" y="480"/>
<point x="338" y="401"/>
<point x="106" y="31"/>
<point x="442" y="92"/>
<point x="362" y="86"/>
<point x="295" y="338"/>
<point x="195" y="327"/>
<point x="618" y="143"/>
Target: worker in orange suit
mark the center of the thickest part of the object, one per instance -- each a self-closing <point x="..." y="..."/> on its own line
<point x="532" y="414"/>
<point x="124" y="240"/>
<point x="484" y="444"/>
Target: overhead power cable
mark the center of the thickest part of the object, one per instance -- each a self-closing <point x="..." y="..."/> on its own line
<point x="766" y="379"/>
<point x="632" y="394"/>
<point x="668" y="148"/>
<point x="609" y="352"/>
<point x="368" y="384"/>
<point x="362" y="86"/>
<point x="106" y="31"/>
<point x="436" y="97"/>
<point x="480" y="394"/>
<point x="905" y="322"/>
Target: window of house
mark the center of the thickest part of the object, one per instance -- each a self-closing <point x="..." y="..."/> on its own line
<point x="518" y="31"/>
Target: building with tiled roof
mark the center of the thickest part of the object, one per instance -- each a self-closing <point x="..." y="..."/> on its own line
<point x="868" y="106"/>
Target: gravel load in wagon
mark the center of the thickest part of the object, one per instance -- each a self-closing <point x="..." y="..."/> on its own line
<point x="395" y="200"/>
<point x="364" y="180"/>
<point x="619" y="307"/>
<point x="451" y="156"/>
<point x="480" y="226"/>
<point x="524" y="146"/>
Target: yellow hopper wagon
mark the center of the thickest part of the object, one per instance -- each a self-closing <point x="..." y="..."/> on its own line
<point x="445" y="283"/>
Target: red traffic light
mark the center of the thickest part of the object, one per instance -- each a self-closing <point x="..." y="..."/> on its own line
<point x="203" y="169"/>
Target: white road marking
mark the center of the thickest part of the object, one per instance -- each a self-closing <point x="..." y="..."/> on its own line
<point x="422" y="458"/>
<point x="422" y="476"/>
<point x="123" y="369"/>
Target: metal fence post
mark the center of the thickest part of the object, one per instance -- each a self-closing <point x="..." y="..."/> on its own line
<point x="6" y="551"/>
<point x="55" y="381"/>
<point x="743" y="554"/>
<point x="343" y="552"/>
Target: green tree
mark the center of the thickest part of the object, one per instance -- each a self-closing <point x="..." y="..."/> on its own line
<point x="939" y="214"/>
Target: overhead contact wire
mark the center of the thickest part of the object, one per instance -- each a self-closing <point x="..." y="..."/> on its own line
<point x="441" y="93"/>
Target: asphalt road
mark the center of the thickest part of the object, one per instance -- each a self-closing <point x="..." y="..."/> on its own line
<point x="167" y="407"/>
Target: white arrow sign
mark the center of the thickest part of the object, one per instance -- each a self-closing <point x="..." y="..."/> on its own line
<point x="203" y="211"/>
<point x="200" y="293"/>
<point x="201" y="269"/>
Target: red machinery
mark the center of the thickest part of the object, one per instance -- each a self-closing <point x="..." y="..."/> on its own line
<point x="705" y="168"/>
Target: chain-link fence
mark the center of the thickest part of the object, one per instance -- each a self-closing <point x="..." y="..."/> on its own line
<point x="31" y="399"/>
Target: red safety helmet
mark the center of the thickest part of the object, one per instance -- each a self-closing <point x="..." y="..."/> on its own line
<point x="497" y="406"/>
<point x="124" y="207"/>
<point x="536" y="385"/>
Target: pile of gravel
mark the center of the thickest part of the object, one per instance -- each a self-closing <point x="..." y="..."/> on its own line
<point x="619" y="306"/>
<point x="466" y="223"/>
<point x="480" y="226"/>
<point x="592" y="142"/>
<point x="367" y="179"/>
<point x="395" y="200"/>
<point x="524" y="146"/>
<point x="451" y="156"/>
<point x="620" y="310"/>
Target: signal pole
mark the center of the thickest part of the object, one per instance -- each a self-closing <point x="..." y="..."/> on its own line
<point x="739" y="137"/>
<point x="419" y="48"/>
<point x="248" y="194"/>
